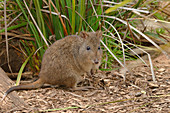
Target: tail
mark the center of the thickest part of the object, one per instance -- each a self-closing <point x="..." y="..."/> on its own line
<point x="37" y="84"/>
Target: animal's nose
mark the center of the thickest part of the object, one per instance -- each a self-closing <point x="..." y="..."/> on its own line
<point x="96" y="61"/>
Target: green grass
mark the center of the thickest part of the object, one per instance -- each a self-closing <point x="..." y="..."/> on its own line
<point x="74" y="16"/>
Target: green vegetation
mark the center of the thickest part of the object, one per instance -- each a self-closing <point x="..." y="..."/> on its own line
<point x="123" y="27"/>
<point x="130" y="25"/>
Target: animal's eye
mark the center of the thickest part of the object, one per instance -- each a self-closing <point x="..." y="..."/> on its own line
<point x="99" y="48"/>
<point x="88" y="48"/>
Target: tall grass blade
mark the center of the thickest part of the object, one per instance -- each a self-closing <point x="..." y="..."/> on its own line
<point x="14" y="27"/>
<point x="22" y="68"/>
<point x="39" y="16"/>
<point x="117" y="6"/>
<point x="36" y="24"/>
<point x="82" y="12"/>
<point x="73" y="17"/>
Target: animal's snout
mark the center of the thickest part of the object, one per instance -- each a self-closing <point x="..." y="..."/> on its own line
<point x="96" y="61"/>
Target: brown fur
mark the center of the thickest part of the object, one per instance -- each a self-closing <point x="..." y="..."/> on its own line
<point x="65" y="61"/>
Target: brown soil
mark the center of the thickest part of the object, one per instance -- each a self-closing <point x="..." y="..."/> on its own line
<point x="138" y="94"/>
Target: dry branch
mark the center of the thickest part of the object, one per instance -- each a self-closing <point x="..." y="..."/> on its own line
<point x="5" y="83"/>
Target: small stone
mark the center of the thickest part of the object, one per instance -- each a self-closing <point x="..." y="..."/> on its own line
<point x="161" y="73"/>
<point x="161" y="69"/>
<point x="153" y="85"/>
<point x="122" y="93"/>
<point x="154" y="90"/>
<point x="144" y="92"/>
<point x="149" y="78"/>
<point x="111" y="87"/>
<point x="163" y="85"/>
<point x="168" y="89"/>
<point x="107" y="82"/>
<point x="138" y="94"/>
<point x="160" y="92"/>
<point x="156" y="106"/>
<point x="168" y="82"/>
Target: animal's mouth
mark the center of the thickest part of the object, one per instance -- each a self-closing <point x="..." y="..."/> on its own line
<point x="96" y="61"/>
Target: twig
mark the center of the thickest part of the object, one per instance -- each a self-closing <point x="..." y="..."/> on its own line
<point x="119" y="39"/>
<point x="104" y="103"/>
<point x="150" y="61"/>
<point x="14" y="19"/>
<point x="124" y="22"/>
<point x="6" y="37"/>
<point x="131" y="49"/>
<point x="36" y="24"/>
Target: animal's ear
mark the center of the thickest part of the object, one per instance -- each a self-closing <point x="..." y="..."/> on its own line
<point x="99" y="33"/>
<point x="84" y="34"/>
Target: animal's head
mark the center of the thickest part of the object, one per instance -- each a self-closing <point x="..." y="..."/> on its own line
<point x="90" y="50"/>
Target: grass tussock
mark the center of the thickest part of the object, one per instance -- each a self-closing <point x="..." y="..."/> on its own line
<point x="126" y="26"/>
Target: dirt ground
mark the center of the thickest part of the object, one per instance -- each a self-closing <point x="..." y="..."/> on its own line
<point x="139" y="94"/>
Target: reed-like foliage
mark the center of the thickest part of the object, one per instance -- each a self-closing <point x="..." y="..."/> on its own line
<point x="59" y="18"/>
